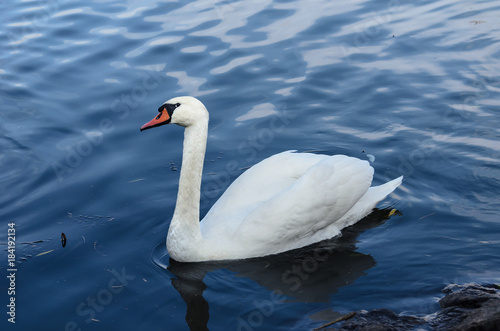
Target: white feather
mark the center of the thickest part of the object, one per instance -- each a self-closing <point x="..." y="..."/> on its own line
<point x="284" y="202"/>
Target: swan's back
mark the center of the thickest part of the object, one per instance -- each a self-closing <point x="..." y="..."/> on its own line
<point x="256" y="185"/>
<point x="291" y="200"/>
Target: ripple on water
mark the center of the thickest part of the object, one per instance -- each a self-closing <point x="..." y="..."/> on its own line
<point x="414" y="87"/>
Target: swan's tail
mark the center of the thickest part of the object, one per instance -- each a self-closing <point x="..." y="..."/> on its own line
<point x="367" y="202"/>
<point x="381" y="191"/>
<point x="361" y="209"/>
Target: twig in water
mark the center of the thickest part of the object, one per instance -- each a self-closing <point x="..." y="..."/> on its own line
<point x="343" y="318"/>
<point x="32" y="242"/>
<point x="427" y="215"/>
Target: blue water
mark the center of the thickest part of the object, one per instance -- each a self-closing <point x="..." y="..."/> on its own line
<point x="412" y="86"/>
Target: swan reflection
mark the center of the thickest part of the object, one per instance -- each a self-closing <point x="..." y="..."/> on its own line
<point x="310" y="274"/>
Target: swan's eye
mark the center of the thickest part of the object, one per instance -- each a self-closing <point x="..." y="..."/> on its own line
<point x="169" y="107"/>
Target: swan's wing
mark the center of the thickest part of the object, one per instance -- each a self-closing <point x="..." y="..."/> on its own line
<point x="362" y="208"/>
<point x="256" y="185"/>
<point x="324" y="193"/>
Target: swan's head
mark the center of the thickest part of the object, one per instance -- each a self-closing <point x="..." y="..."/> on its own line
<point x="183" y="111"/>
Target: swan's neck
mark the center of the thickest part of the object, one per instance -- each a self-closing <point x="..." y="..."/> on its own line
<point x="184" y="234"/>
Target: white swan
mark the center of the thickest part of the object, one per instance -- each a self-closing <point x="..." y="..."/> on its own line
<point x="284" y="202"/>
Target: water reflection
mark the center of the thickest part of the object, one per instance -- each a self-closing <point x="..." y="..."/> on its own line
<point x="306" y="275"/>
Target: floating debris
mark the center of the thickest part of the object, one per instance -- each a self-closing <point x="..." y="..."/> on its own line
<point x="47" y="252"/>
<point x="32" y="242"/>
<point x="63" y="239"/>
<point x="427" y="215"/>
<point x="95" y="248"/>
<point x="341" y="319"/>
<point x="136" y="180"/>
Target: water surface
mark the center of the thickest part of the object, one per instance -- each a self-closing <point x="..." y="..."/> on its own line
<point x="413" y="87"/>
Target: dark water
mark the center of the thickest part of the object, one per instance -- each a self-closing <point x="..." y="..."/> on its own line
<point x="414" y="85"/>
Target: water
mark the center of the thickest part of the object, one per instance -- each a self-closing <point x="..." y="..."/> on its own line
<point x="412" y="86"/>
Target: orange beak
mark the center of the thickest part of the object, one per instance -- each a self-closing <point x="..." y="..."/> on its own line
<point x="161" y="119"/>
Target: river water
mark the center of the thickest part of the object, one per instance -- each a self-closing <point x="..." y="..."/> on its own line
<point x="414" y="87"/>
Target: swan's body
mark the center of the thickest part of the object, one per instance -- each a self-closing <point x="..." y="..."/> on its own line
<point x="284" y="202"/>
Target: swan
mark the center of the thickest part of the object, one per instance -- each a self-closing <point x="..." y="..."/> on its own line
<point x="287" y="201"/>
